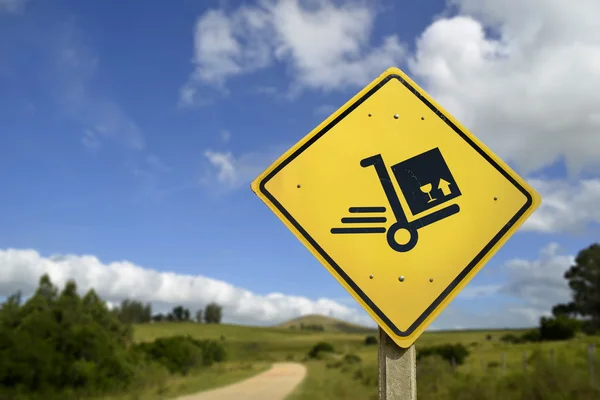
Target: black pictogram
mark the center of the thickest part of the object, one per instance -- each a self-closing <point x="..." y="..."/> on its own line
<point x="425" y="181"/>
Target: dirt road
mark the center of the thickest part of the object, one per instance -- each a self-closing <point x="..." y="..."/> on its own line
<point x="274" y="384"/>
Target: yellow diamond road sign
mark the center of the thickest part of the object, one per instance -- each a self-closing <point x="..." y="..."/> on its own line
<point x="398" y="201"/>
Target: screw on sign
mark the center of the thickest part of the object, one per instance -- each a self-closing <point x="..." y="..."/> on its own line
<point x="402" y="205"/>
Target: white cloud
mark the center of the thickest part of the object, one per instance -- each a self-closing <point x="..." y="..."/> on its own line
<point x="219" y="54"/>
<point x="566" y="206"/>
<point x="529" y="91"/>
<point x="540" y="283"/>
<point x="534" y="286"/>
<point x="111" y="304"/>
<point x="229" y="172"/>
<point x="325" y="110"/>
<point x="12" y="6"/>
<point x="100" y="116"/>
<point x="472" y="292"/>
<point x="148" y="171"/>
<point x="65" y="72"/>
<point x="509" y="317"/>
<point x="155" y="163"/>
<point x="68" y="71"/>
<point x="104" y="120"/>
<point x="324" y="45"/>
<point x="90" y="140"/>
<point x="328" y="47"/>
<point x="269" y="90"/>
<point x="21" y="270"/>
<point x="225" y="136"/>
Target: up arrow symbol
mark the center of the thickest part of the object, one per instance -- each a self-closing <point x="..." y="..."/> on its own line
<point x="444" y="186"/>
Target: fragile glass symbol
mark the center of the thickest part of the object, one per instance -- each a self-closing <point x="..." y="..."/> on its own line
<point x="402" y="223"/>
<point x="444" y="186"/>
<point x="427" y="190"/>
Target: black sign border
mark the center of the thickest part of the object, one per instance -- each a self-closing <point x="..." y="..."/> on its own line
<point x="330" y="260"/>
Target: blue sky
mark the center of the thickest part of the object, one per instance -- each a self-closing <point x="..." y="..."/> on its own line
<point x="129" y="134"/>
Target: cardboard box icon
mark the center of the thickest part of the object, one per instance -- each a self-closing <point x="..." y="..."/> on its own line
<point x="425" y="181"/>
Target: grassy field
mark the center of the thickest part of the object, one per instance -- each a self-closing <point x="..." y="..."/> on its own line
<point x="322" y="383"/>
<point x="326" y="380"/>
<point x="246" y="343"/>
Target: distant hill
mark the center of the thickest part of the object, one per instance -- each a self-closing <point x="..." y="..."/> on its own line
<point x="328" y="324"/>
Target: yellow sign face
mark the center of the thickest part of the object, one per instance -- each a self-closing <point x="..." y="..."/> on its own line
<point x="398" y="201"/>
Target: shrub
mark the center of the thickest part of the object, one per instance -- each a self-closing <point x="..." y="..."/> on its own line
<point x="449" y="352"/>
<point x="558" y="328"/>
<point x="346" y="362"/>
<point x="512" y="338"/>
<point x="488" y="337"/>
<point x="368" y="376"/>
<point x="175" y="353"/>
<point x="532" y="335"/>
<point x="212" y="351"/>
<point x="313" y="327"/>
<point x="252" y="346"/>
<point x="370" y="340"/>
<point x="321" y="347"/>
<point x="589" y="328"/>
<point x="352" y="359"/>
<point x="435" y="377"/>
<point x="180" y="354"/>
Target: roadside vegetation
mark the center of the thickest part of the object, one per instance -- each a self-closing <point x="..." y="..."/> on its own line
<point x="555" y="361"/>
<point x="60" y="345"/>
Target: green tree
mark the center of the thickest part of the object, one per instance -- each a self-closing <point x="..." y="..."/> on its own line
<point x="180" y="313"/>
<point x="58" y="343"/>
<point x="159" y="317"/>
<point x="566" y="310"/>
<point x="134" y="312"/>
<point x="9" y="311"/>
<point x="177" y="313"/>
<point x="97" y="309"/>
<point x="370" y="340"/>
<point x="558" y="328"/>
<point x="46" y="289"/>
<point x="456" y="353"/>
<point x="213" y="313"/>
<point x="584" y="282"/>
<point x="199" y="316"/>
